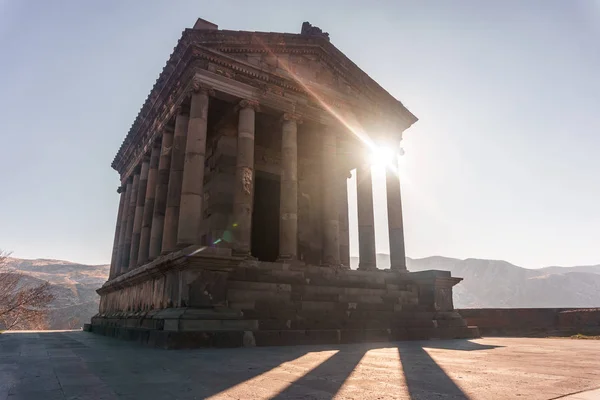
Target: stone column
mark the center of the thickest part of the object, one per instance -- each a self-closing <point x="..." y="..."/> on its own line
<point x="115" y="250"/>
<point x="190" y="209"/>
<point x="366" y="219"/>
<point x="148" y="206"/>
<point x="395" y="223"/>
<point x="244" y="178"/>
<point x="330" y="215"/>
<point x="139" y="214"/>
<point x="160" y="198"/>
<point x="123" y="228"/>
<point x="130" y="220"/>
<point x="288" y="209"/>
<point x="169" y="240"/>
<point x="343" y="217"/>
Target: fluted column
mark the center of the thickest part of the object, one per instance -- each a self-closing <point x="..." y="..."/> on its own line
<point x="130" y="221"/>
<point x="148" y="206"/>
<point x="288" y="209"/>
<point x="160" y="198"/>
<point x="244" y="178"/>
<point x="169" y="241"/>
<point x="366" y="219"/>
<point x="330" y="215"/>
<point x="395" y="222"/>
<point x="123" y="228"/>
<point x="139" y="214"/>
<point x="190" y="209"/>
<point x="115" y="249"/>
<point x="343" y="217"/>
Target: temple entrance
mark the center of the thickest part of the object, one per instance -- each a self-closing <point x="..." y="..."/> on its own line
<point x="265" y="217"/>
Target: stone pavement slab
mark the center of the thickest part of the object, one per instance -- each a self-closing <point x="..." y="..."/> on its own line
<point x="80" y="365"/>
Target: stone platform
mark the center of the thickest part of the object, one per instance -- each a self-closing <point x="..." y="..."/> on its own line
<point x="206" y="297"/>
<point x="78" y="365"/>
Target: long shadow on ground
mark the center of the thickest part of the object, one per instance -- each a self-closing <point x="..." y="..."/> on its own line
<point x="73" y="362"/>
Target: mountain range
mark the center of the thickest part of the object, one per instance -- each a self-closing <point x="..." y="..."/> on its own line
<point x="499" y="284"/>
<point x="486" y="284"/>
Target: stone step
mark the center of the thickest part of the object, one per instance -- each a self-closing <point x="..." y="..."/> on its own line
<point x="195" y="339"/>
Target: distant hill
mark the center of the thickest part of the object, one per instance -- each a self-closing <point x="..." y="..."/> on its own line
<point x="73" y="285"/>
<point x="487" y="283"/>
<point x="491" y="283"/>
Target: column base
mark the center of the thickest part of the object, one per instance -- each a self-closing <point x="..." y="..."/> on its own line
<point x="291" y="261"/>
<point x="367" y="267"/>
<point x="246" y="255"/>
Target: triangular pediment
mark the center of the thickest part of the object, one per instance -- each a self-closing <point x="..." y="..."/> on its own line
<point x="311" y="62"/>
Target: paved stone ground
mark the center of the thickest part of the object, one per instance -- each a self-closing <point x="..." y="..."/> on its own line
<point x="81" y="365"/>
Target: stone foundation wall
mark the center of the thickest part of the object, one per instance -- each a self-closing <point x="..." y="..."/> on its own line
<point x="211" y="293"/>
<point x="533" y="321"/>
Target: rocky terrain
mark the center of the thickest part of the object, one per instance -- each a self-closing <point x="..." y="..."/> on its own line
<point x="487" y="283"/>
<point x="499" y="284"/>
<point x="73" y="285"/>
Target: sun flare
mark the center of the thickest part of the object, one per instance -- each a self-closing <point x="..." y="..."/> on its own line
<point x="382" y="156"/>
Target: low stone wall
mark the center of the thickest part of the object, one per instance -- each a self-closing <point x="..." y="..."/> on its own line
<point x="533" y="321"/>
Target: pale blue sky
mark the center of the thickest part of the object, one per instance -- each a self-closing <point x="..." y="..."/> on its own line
<point x="504" y="162"/>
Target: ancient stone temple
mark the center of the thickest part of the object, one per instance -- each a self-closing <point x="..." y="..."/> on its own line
<point x="232" y="226"/>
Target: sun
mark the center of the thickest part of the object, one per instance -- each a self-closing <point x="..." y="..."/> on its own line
<point x="382" y="156"/>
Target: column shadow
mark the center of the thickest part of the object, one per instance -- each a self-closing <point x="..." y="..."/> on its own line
<point x="423" y="376"/>
<point x="329" y="376"/>
<point x="208" y="372"/>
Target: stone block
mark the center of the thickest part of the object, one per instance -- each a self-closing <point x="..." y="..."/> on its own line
<point x="320" y="289"/>
<point x="346" y="298"/>
<point x="319" y="305"/>
<point x="260" y="286"/>
<point x="274" y="324"/>
<point x="217" y="325"/>
<point x="239" y="295"/>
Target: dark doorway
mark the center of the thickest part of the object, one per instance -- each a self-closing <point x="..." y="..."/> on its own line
<point x="265" y="217"/>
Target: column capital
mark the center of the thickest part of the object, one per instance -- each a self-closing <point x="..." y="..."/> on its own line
<point x="200" y="87"/>
<point x="292" y="117"/>
<point x="253" y="104"/>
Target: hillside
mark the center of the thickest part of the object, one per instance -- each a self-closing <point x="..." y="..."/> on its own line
<point x="73" y="285"/>
<point x="491" y="283"/>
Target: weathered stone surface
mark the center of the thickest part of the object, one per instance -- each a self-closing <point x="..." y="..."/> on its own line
<point x="75" y="364"/>
<point x="169" y="241"/>
<point x="150" y="195"/>
<point x="237" y="233"/>
<point x="160" y="202"/>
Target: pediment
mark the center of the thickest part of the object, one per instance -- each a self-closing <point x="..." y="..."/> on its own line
<point x="311" y="62"/>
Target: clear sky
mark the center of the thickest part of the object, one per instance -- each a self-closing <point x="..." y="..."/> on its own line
<point x="504" y="162"/>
